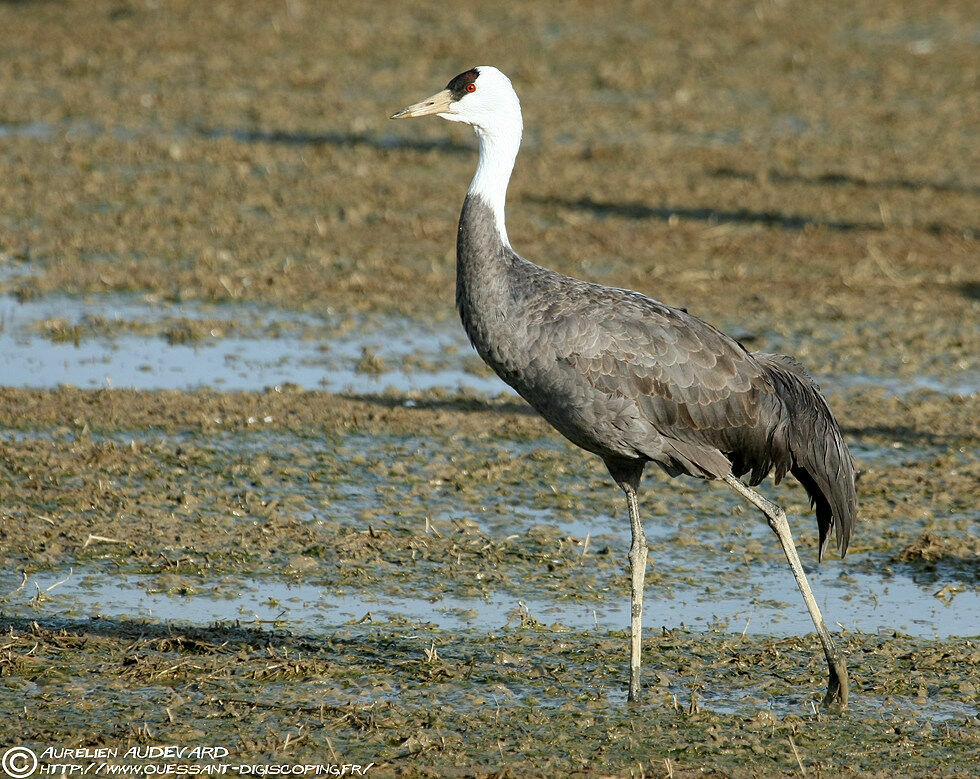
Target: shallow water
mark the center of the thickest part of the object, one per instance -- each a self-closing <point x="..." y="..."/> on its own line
<point x="309" y="351"/>
<point x="873" y="605"/>
<point x="712" y="567"/>
<point x="266" y="347"/>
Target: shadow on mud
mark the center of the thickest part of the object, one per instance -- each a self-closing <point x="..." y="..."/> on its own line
<point x="938" y="557"/>
<point x="951" y="568"/>
<point x="339" y="139"/>
<point x="455" y="403"/>
<point x="194" y="638"/>
<point x="970" y="289"/>
<point x="188" y="636"/>
<point x="636" y="210"/>
<point x="844" y="179"/>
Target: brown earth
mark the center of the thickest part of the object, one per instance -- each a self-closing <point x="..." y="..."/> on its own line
<point x="807" y="172"/>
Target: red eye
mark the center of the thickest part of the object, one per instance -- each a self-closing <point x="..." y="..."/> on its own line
<point x="471" y="87"/>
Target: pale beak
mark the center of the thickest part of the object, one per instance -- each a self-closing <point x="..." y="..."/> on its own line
<point x="437" y="104"/>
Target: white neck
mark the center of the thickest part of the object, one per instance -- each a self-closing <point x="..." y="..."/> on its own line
<point x="498" y="151"/>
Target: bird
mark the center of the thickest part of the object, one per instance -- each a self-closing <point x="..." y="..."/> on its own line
<point x="633" y="380"/>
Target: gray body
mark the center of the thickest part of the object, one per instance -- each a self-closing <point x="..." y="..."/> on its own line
<point x="635" y="381"/>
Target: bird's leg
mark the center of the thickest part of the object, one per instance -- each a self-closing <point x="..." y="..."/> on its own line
<point x="638" y="568"/>
<point x="837" y="684"/>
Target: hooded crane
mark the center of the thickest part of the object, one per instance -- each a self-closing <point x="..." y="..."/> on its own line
<point x="631" y="379"/>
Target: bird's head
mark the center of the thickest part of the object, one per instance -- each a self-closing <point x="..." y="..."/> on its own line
<point x="482" y="97"/>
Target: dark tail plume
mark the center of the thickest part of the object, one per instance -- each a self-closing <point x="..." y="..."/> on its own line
<point x="821" y="460"/>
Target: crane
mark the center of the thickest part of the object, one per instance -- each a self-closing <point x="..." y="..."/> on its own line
<point x="633" y="380"/>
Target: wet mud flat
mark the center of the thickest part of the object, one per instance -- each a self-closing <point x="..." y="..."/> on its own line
<point x="255" y="491"/>
<point x="435" y="583"/>
<point x="525" y="701"/>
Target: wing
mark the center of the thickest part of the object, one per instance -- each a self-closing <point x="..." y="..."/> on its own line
<point x="693" y="387"/>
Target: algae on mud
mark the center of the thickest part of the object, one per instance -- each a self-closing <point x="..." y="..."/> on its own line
<point x="524" y="701"/>
<point x="139" y="466"/>
<point x="804" y="172"/>
<point x="413" y="495"/>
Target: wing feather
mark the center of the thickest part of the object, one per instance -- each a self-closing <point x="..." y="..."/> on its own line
<point x="689" y="383"/>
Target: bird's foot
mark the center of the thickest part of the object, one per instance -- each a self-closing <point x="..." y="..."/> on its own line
<point x="836" y="697"/>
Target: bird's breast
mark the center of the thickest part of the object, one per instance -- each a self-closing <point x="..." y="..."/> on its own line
<point x="521" y="348"/>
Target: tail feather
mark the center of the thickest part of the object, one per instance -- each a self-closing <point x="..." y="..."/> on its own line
<point x="821" y="461"/>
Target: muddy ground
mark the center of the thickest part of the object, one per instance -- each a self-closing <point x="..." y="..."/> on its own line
<point x="803" y="174"/>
